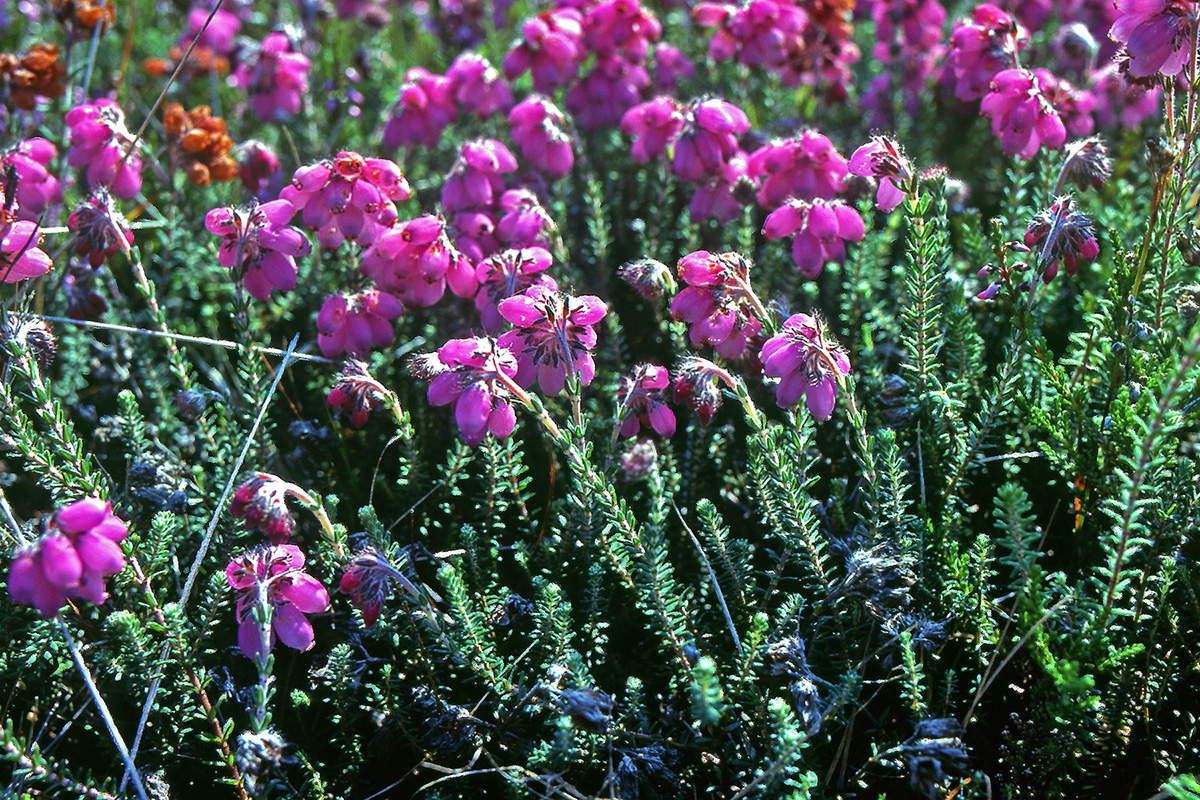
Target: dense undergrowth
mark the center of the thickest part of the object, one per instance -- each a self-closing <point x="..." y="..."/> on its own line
<point x="806" y="407"/>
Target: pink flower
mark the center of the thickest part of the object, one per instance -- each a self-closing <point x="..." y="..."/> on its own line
<point x="261" y="503"/>
<point x="272" y="581"/>
<point x="725" y="196"/>
<point x="821" y="229"/>
<point x="415" y="260"/>
<point x="553" y="337"/>
<point x="426" y="106"/>
<point x="880" y="158"/>
<point x="612" y="87"/>
<point x="551" y="50"/>
<point x="670" y="67"/>
<point x="982" y="47"/>
<point x="20" y="255"/>
<point x="1022" y="116"/>
<point x="259" y="245"/>
<point x="219" y="35"/>
<point x="620" y="26"/>
<point x="478" y="87"/>
<point x="1120" y="102"/>
<point x="1156" y="34"/>
<point x="718" y="302"/>
<point x="525" y="222"/>
<point x="543" y="134"/>
<point x="37" y="189"/>
<point x="276" y="78"/>
<point x="353" y="324"/>
<point x="257" y="165"/>
<point x="71" y="560"/>
<point x="807" y="364"/>
<point x="349" y="197"/>
<point x="506" y="274"/>
<point x="472" y="377"/>
<point x="1061" y="233"/>
<point x="707" y="140"/>
<point x="757" y="33"/>
<point x="805" y="167"/>
<point x="356" y="392"/>
<point x="654" y="125"/>
<point x="471" y="194"/>
<point x="100" y="141"/>
<point x="644" y="403"/>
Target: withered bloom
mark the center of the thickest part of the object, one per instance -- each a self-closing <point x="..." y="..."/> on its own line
<point x="199" y="144"/>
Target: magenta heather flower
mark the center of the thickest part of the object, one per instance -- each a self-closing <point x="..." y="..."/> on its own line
<point x="981" y="48"/>
<point x="1021" y="113"/>
<point x="707" y="140"/>
<point x="543" y="134"/>
<point x="78" y="551"/>
<point x="1156" y="34"/>
<point x="525" y="222"/>
<point x="478" y="87"/>
<point x="356" y="392"/>
<point x="472" y="192"/>
<point x="426" y="106"/>
<point x="553" y="337"/>
<point x="507" y="274"/>
<point x="257" y="165"/>
<point x="100" y="142"/>
<point x="551" y="50"/>
<point x="272" y="581"/>
<point x="821" y="229"/>
<point x="805" y="167"/>
<point x="757" y="33"/>
<point x="218" y="36"/>
<point x="644" y="402"/>
<point x="368" y="580"/>
<point x="473" y="377"/>
<point x="20" y="254"/>
<point x="276" y="78"/>
<point x="718" y="302"/>
<point x="724" y="196"/>
<point x="880" y="158"/>
<point x="261" y="503"/>
<point x="259" y="246"/>
<point x="1120" y="102"/>
<point x="623" y="27"/>
<point x="807" y="363"/>
<point x="353" y="324"/>
<point x="349" y="197"/>
<point x="100" y="228"/>
<point x="415" y="260"/>
<point x="653" y="125"/>
<point x="670" y="67"/>
<point x="612" y="87"/>
<point x="36" y="189"/>
<point x="1061" y="233"/>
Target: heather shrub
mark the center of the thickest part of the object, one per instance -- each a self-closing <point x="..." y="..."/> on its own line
<point x="782" y="398"/>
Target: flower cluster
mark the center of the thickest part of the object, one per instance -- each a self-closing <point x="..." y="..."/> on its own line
<point x="982" y="47"/>
<point x="805" y="168"/>
<point x="506" y="274"/>
<point x="426" y="106"/>
<point x="807" y="363"/>
<point x="474" y="377"/>
<point x="479" y="88"/>
<point x="821" y="229"/>
<point x="355" y="323"/>
<point x="1157" y="35"/>
<point x="356" y="392"/>
<point x="644" y="403"/>
<point x="20" y="255"/>
<point x="543" y="134"/>
<point x="259" y="245"/>
<point x="39" y="73"/>
<point x="72" y="559"/>
<point x="552" y="337"/>
<point x="100" y="228"/>
<point x="261" y="503"/>
<point x="199" y="143"/>
<point x="1064" y="234"/>
<point x="101" y="142"/>
<point x="37" y="189"/>
<point x="271" y="585"/>
<point x="348" y="197"/>
<point x="276" y="78"/>
<point x="471" y="195"/>
<point x="718" y="302"/>
<point x="415" y="261"/>
<point x="881" y="158"/>
<point x="551" y="49"/>
<point x="1021" y="113"/>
